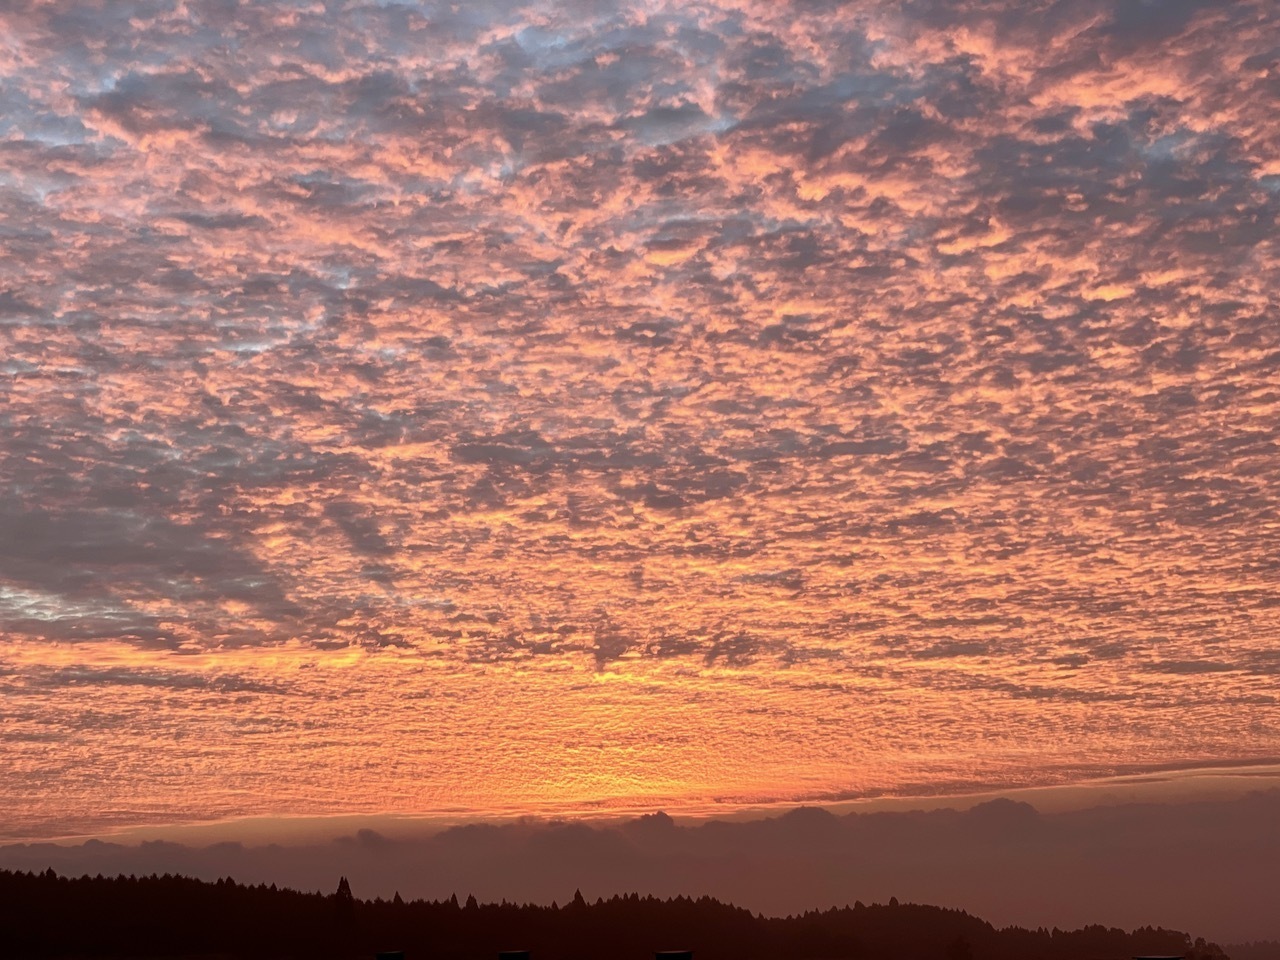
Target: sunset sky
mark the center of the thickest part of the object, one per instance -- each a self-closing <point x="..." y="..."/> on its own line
<point x="481" y="409"/>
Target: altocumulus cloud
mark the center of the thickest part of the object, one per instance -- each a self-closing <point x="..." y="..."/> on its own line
<point x="919" y="354"/>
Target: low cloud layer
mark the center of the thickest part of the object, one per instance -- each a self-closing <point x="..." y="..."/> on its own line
<point x="1204" y="867"/>
<point x="875" y="395"/>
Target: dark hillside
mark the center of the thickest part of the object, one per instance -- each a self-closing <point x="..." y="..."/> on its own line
<point x="44" y="915"/>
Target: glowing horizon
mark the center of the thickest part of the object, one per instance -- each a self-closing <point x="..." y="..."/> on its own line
<point x="587" y="406"/>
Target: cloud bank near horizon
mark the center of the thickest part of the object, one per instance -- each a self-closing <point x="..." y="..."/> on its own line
<point x="1205" y="867"/>
<point x="531" y="406"/>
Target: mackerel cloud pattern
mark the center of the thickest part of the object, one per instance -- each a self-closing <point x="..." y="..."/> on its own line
<point x="493" y="407"/>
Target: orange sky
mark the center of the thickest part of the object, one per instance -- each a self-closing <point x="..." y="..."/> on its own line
<point x="485" y="409"/>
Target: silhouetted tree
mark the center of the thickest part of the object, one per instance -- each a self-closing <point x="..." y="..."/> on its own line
<point x="343" y="893"/>
<point x="152" y="917"/>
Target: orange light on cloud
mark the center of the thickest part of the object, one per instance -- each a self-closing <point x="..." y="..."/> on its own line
<point x="524" y="411"/>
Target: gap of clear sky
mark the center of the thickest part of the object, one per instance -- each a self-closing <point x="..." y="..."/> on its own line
<point x="492" y="408"/>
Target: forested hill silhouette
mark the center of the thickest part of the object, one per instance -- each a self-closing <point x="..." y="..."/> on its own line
<point x="45" y="915"/>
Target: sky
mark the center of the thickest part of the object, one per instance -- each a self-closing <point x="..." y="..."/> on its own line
<point x="1207" y="866"/>
<point x="493" y="409"/>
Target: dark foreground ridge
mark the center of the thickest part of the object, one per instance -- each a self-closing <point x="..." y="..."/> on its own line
<point x="44" y="915"/>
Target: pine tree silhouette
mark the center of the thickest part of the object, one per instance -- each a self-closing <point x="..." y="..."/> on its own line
<point x="343" y="893"/>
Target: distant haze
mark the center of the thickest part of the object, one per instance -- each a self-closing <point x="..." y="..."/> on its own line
<point x="570" y="408"/>
<point x="1207" y="867"/>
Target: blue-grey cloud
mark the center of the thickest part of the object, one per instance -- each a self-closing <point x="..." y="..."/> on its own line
<point x="900" y="365"/>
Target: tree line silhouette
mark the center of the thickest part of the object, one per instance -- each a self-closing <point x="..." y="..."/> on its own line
<point x="45" y="915"/>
